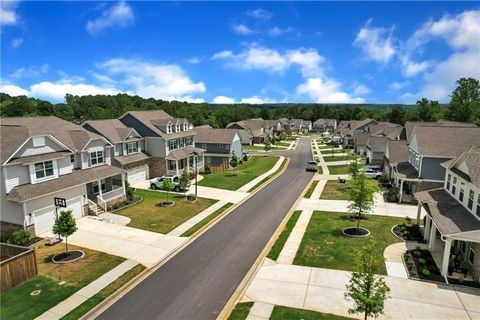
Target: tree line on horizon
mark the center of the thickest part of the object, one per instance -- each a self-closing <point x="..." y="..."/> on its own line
<point x="464" y="106"/>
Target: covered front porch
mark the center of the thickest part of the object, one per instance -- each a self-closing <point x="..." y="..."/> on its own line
<point x="105" y="190"/>
<point x="190" y="158"/>
<point x="452" y="234"/>
<point x="407" y="182"/>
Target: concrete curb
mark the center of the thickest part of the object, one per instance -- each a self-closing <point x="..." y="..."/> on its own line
<point x="117" y="295"/>
<point x="242" y="287"/>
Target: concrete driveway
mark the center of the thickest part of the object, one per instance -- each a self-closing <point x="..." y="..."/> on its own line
<point x="142" y="246"/>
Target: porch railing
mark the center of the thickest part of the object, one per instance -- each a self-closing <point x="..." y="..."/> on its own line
<point x="115" y="193"/>
<point x="92" y="206"/>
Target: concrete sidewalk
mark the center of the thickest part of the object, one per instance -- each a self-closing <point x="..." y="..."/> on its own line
<point x="246" y="187"/>
<point x="82" y="295"/>
<point x="178" y="231"/>
<point x="287" y="255"/>
<point x="323" y="290"/>
<point x="318" y="189"/>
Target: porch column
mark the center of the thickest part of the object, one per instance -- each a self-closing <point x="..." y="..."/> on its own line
<point x="446" y="257"/>
<point x="426" y="234"/>
<point x="419" y="211"/>
<point x="100" y="187"/>
<point x="123" y="183"/>
<point x="433" y="237"/>
<point x="401" y="192"/>
<point x="176" y="166"/>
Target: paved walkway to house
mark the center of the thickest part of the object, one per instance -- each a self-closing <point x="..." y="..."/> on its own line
<point x="338" y="163"/>
<point x="260" y="311"/>
<point x="333" y="176"/>
<point x="82" y="295"/>
<point x="246" y="187"/>
<point x="380" y="207"/>
<point x="178" y="231"/>
<point x="393" y="255"/>
<point x="327" y="154"/>
<point x="319" y="157"/>
<point x="142" y="246"/>
<point x="290" y="248"/>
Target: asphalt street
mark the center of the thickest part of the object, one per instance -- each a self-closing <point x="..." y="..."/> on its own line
<point x="198" y="281"/>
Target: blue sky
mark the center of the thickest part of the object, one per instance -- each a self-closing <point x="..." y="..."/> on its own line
<point x="253" y="52"/>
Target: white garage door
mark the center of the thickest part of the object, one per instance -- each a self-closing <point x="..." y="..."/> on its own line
<point x="45" y="217"/>
<point x="137" y="175"/>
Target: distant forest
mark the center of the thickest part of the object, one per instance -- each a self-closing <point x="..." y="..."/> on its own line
<point x="464" y="106"/>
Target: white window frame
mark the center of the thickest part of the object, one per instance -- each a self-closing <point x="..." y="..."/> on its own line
<point x="454" y="185"/>
<point x="38" y="142"/>
<point x="72" y="158"/>
<point x="204" y="146"/>
<point x="185" y="126"/>
<point x="449" y="180"/>
<point x="220" y="146"/>
<point x="133" y="143"/>
<point x="471" y="199"/>
<point x="461" y="191"/>
<point x="103" y="185"/>
<point x="169" y="128"/>
<point x="33" y="171"/>
<point x="227" y="146"/>
<point x="90" y="158"/>
<point x="177" y="127"/>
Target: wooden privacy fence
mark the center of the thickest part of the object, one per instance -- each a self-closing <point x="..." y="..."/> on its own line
<point x="17" y="264"/>
<point x="219" y="167"/>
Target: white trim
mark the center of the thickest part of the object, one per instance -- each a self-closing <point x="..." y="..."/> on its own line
<point x="100" y="138"/>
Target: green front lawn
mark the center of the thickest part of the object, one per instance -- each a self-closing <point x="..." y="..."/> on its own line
<point x="149" y="215"/>
<point x="103" y="294"/>
<point x="202" y="223"/>
<point x="309" y="192"/>
<point x="335" y="190"/>
<point x="340" y="158"/>
<point x="244" y="173"/>
<point x="18" y="303"/>
<point x="327" y="151"/>
<point x="282" y="166"/>
<point x="324" y="245"/>
<point x="338" y="169"/>
<point x="241" y="310"/>
<point x="284" y="313"/>
<point x="283" y="237"/>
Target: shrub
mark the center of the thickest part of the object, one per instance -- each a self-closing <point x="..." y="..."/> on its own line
<point x="418" y="248"/>
<point x="19" y="237"/>
<point x="417" y="253"/>
<point x="426" y="272"/>
<point x="421" y="261"/>
<point x="408" y="219"/>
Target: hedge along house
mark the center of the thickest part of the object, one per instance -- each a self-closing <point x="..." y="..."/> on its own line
<point x="128" y="150"/>
<point x="169" y="142"/>
<point x="219" y="145"/>
<point x="428" y="148"/>
<point x="452" y="226"/>
<point x="47" y="157"/>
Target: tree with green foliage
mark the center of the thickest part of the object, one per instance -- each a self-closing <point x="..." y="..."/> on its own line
<point x="184" y="179"/>
<point x="282" y="136"/>
<point x="234" y="160"/>
<point x="465" y="103"/>
<point x="129" y="191"/>
<point x="360" y="194"/>
<point x="355" y="167"/>
<point x="167" y="186"/>
<point x="397" y="115"/>
<point x="267" y="146"/>
<point x="19" y="237"/>
<point x="367" y="291"/>
<point x="65" y="225"/>
<point x="429" y="110"/>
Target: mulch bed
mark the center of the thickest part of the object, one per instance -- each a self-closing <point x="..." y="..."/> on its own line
<point x="408" y="232"/>
<point x="68" y="256"/>
<point x="356" y="232"/>
<point x="419" y="260"/>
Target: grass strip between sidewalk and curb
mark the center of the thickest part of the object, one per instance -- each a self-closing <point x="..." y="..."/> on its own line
<point x="282" y="313"/>
<point x="103" y="305"/>
<point x="264" y="180"/>
<point x="82" y="309"/>
<point x="241" y="311"/>
<point x="309" y="192"/>
<point x="283" y="237"/>
<point x="206" y="220"/>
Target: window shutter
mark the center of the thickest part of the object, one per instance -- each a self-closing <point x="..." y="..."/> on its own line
<point x="89" y="160"/>
<point x="124" y="148"/>
<point x="139" y="144"/>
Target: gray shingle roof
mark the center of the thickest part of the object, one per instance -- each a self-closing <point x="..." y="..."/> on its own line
<point x="112" y="129"/>
<point x="39" y="157"/>
<point x="449" y="215"/>
<point x="361" y="139"/>
<point x="206" y="135"/>
<point x="183" y="153"/>
<point x="446" y="142"/>
<point x="377" y="144"/>
<point x="472" y="162"/>
<point x="154" y="118"/>
<point x="410" y="125"/>
<point x="397" y="151"/>
<point x="131" y="158"/>
<point x="77" y="177"/>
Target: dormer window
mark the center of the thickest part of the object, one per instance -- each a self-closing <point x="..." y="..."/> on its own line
<point x="177" y="129"/>
<point x="169" y="128"/>
<point x="185" y="126"/>
<point x="454" y="185"/>
<point x="462" y="191"/>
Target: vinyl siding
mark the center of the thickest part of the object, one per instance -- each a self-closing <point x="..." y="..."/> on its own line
<point x="64" y="165"/>
<point x="16" y="175"/>
<point x="156" y="147"/>
<point x="432" y="169"/>
<point x="47" y="200"/>
<point x="29" y="150"/>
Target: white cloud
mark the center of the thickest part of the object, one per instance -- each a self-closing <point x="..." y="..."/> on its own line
<point x="410" y="68"/>
<point x="194" y="60"/>
<point x="222" y="54"/>
<point x="260" y="14"/>
<point x="119" y="15"/>
<point x="17" y="42"/>
<point x="361" y="90"/>
<point x="242" y="29"/>
<point x="13" y="90"/>
<point x="29" y="72"/>
<point x="103" y="78"/>
<point x="376" y="43"/>
<point x="161" y="81"/>
<point x="325" y="91"/>
<point x="58" y="90"/>
<point x="398" y="85"/>
<point x="223" y="100"/>
<point x="256" y="100"/>
<point x="8" y="15"/>
<point x="277" y="31"/>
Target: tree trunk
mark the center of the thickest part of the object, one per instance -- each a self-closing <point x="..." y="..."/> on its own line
<point x="366" y="314"/>
<point x="66" y="244"/>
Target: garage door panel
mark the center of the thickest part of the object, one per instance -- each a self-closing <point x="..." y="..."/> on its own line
<point x="137" y="175"/>
<point x="45" y="217"/>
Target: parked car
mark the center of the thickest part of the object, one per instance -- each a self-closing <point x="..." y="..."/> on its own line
<point x="157" y="183"/>
<point x="312" y="166"/>
<point x="374" y="173"/>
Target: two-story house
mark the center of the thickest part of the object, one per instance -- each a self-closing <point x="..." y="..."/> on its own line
<point x="325" y="125"/>
<point x="47" y="157"/>
<point x="276" y="126"/>
<point x="169" y="142"/>
<point x="453" y="220"/>
<point x="349" y="130"/>
<point x="259" y="129"/>
<point x="375" y="150"/>
<point x="219" y="145"/>
<point x="428" y="148"/>
<point x="128" y="147"/>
